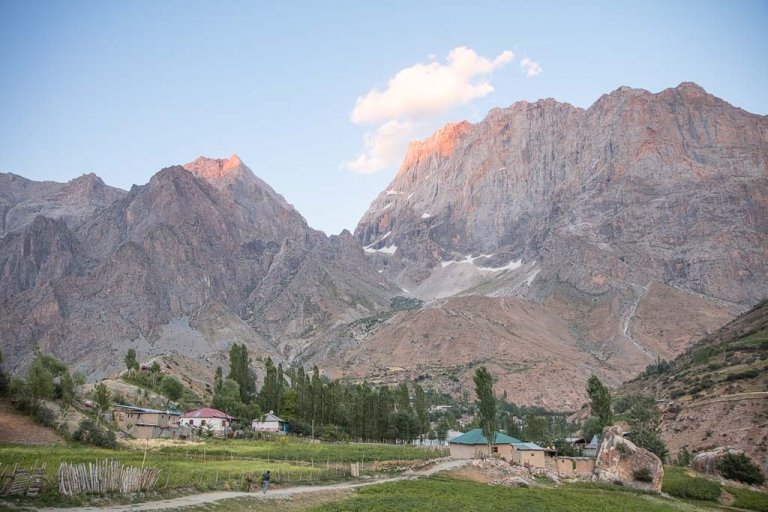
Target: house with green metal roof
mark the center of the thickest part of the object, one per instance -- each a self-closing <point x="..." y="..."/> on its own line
<point x="474" y="444"/>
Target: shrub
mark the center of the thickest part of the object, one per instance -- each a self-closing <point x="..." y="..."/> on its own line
<point x="642" y="475"/>
<point x="681" y="485"/>
<point x="684" y="457"/>
<point x="741" y="468"/>
<point x="622" y="448"/>
<point x="89" y="432"/>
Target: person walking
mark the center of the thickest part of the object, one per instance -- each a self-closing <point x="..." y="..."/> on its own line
<point x="265" y="481"/>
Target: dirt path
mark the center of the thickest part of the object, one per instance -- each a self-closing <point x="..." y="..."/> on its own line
<point x="210" y="497"/>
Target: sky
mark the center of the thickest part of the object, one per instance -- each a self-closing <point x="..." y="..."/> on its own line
<point x="321" y="98"/>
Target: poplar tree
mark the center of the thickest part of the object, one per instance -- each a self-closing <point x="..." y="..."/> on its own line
<point x="420" y="404"/>
<point x="487" y="406"/>
<point x="600" y="401"/>
<point x="240" y="372"/>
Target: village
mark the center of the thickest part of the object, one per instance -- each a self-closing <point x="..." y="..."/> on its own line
<point x="143" y="452"/>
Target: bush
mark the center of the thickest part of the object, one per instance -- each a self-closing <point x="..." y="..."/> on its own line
<point x="741" y="468"/>
<point x="684" y="457"/>
<point x="642" y="475"/>
<point x="681" y="485"/>
<point x="89" y="432"/>
<point x="622" y="448"/>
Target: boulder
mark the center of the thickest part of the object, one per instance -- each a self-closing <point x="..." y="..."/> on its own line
<point x="618" y="459"/>
<point x="706" y="462"/>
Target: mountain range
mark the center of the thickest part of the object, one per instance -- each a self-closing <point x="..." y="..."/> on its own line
<point x="546" y="242"/>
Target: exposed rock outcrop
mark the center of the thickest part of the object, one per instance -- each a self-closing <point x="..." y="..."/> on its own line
<point x="189" y="263"/>
<point x="618" y="459"/>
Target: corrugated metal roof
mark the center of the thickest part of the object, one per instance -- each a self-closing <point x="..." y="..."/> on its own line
<point x="146" y="411"/>
<point x="270" y="417"/>
<point x="206" y="412"/>
<point x="476" y="437"/>
<point x="528" y="446"/>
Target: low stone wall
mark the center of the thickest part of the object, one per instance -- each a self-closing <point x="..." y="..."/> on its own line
<point x="571" y="467"/>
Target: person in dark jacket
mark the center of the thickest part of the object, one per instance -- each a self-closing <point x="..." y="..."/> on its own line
<point x="265" y="481"/>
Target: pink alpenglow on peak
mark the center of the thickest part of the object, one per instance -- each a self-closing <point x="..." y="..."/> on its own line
<point x="214" y="168"/>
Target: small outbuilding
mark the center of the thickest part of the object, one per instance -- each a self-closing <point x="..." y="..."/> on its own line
<point x="529" y="454"/>
<point x="270" y="423"/>
<point x="474" y="444"/>
<point x="207" y="419"/>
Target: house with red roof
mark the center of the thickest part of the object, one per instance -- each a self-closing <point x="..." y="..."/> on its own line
<point x="207" y="419"/>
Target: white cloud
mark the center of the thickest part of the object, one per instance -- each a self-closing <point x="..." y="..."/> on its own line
<point x="530" y="67"/>
<point x="383" y="148"/>
<point x="425" y="90"/>
<point x="416" y="97"/>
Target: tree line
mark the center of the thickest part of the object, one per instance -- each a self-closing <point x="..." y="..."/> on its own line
<point x="319" y="407"/>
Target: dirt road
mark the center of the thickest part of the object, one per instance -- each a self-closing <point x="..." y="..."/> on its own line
<point x="209" y="497"/>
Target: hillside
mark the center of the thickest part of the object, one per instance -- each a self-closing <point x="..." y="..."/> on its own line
<point x="716" y="392"/>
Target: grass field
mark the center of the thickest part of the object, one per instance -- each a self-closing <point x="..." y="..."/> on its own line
<point x="299" y="450"/>
<point x="748" y="499"/>
<point x="439" y="494"/>
<point x="177" y="470"/>
<point x="222" y="464"/>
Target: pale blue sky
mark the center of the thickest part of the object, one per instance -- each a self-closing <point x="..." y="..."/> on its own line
<point x="124" y="88"/>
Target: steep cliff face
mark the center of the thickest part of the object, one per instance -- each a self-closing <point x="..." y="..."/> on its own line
<point x="639" y="221"/>
<point x="190" y="262"/>
<point x="640" y="187"/>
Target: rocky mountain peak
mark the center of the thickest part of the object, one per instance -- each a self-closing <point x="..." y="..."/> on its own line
<point x="215" y="169"/>
<point x="440" y="145"/>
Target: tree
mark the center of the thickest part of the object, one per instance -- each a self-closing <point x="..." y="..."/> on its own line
<point x="40" y="379"/>
<point x="272" y="390"/>
<point x="4" y="380"/>
<point x="154" y="370"/>
<point x="644" y="419"/>
<point x="102" y="397"/>
<point x="420" y="403"/>
<point x="218" y="380"/>
<point x="487" y="406"/>
<point x="600" y="402"/>
<point x="131" y="363"/>
<point x="172" y="388"/>
<point x="442" y="430"/>
<point x="240" y="371"/>
<point x="535" y="428"/>
<point x="288" y="404"/>
<point x="70" y="385"/>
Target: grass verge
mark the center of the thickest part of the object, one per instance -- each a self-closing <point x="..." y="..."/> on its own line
<point x="441" y="494"/>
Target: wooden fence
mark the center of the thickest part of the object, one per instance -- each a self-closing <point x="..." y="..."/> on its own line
<point x="104" y="477"/>
<point x="27" y="481"/>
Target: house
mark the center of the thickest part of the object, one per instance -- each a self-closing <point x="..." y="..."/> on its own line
<point x="270" y="423"/>
<point x="474" y="444"/>
<point x="144" y="423"/>
<point x="576" y="442"/>
<point x="528" y="454"/>
<point x="591" y="449"/>
<point x="207" y="419"/>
